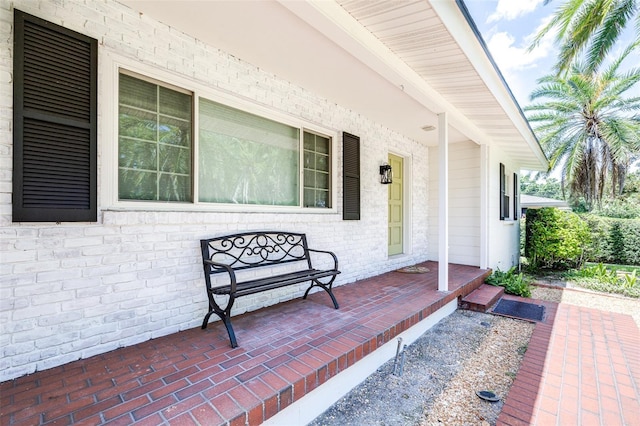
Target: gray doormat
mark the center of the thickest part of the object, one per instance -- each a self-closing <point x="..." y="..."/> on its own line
<point x="517" y="309"/>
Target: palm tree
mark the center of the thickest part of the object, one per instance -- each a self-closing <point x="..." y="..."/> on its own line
<point x="588" y="128"/>
<point x="591" y="27"/>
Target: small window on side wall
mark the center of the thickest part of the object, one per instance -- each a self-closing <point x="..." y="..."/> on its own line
<point x="516" y="187"/>
<point x="504" y="198"/>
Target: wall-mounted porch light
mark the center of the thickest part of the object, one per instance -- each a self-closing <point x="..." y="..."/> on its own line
<point x="386" y="175"/>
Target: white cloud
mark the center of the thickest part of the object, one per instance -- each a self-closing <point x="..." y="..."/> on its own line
<point x="515" y="57"/>
<point x="520" y="67"/>
<point x="512" y="9"/>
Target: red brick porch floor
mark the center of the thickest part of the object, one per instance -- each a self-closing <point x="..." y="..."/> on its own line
<point x="195" y="377"/>
<point x="582" y="367"/>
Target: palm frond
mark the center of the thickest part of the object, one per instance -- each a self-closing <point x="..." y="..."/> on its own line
<point x="609" y="31"/>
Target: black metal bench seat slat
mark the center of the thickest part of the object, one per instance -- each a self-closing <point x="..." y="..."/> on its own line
<point x="239" y="252"/>
<point x="268" y="283"/>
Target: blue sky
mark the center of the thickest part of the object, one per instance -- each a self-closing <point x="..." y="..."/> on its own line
<point x="508" y="26"/>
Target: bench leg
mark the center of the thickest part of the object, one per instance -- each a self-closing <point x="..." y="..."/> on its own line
<point x="326" y="287"/>
<point x="225" y="316"/>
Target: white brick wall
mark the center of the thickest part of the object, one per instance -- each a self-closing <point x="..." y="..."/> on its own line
<point x="72" y="290"/>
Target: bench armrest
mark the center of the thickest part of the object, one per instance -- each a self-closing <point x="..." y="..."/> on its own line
<point x="335" y="258"/>
<point x="232" y="274"/>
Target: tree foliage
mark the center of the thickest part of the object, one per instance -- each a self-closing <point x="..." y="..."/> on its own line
<point x="548" y="188"/>
<point x="589" y="28"/>
<point x="588" y="128"/>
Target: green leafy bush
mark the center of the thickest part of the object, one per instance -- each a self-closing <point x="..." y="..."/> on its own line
<point x="613" y="240"/>
<point x="555" y="239"/>
<point x="513" y="282"/>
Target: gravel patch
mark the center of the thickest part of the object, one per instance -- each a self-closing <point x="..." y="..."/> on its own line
<point x="464" y="353"/>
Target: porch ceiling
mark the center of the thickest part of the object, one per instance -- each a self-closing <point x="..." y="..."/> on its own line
<point x="398" y="63"/>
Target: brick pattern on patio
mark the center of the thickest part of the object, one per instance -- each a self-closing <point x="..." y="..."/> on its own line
<point x="582" y="367"/>
<point x="195" y="377"/>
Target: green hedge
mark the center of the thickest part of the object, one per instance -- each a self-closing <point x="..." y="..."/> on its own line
<point x="613" y="240"/>
<point x="555" y="239"/>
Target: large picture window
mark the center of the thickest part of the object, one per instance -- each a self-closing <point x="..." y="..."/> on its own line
<point x="246" y="159"/>
<point x="242" y="158"/>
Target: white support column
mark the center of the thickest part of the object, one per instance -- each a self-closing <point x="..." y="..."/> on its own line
<point x="484" y="206"/>
<point x="443" y="199"/>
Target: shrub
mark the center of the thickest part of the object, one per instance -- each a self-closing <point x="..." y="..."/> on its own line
<point x="512" y="282"/>
<point x="555" y="239"/>
<point x="620" y="208"/>
<point x="613" y="240"/>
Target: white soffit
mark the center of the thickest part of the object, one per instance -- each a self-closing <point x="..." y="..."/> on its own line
<point x="396" y="62"/>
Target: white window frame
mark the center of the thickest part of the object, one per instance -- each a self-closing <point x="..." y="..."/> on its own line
<point x="110" y="67"/>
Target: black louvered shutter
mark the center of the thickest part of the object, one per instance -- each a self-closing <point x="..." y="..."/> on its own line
<point x="351" y="177"/>
<point x="55" y="123"/>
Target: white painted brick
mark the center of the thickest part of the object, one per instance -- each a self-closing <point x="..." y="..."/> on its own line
<point x="46" y="299"/>
<point x="61" y="318"/>
<point x="81" y="262"/>
<point x="99" y="330"/>
<point x="34" y="312"/>
<point x="17" y="255"/>
<point x="27" y="290"/>
<point x="78" y="346"/>
<point x="148" y="262"/>
<point x="87" y="297"/>
<point x="59" y="275"/>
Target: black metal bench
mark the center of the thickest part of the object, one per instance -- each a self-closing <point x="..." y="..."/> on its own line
<point x="232" y="254"/>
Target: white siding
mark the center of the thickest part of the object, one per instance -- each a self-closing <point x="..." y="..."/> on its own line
<point x="464" y="203"/>
<point x="464" y="208"/>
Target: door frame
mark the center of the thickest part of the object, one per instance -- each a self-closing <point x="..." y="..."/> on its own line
<point x="407" y="224"/>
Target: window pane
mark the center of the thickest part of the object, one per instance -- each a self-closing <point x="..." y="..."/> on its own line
<point x="137" y="185"/>
<point x="322" y="163"/>
<point x="135" y="154"/>
<point x="138" y="93"/>
<point x="309" y="198"/>
<point x="174" y="160"/>
<point x="322" y="198"/>
<point x="246" y="159"/>
<point x="174" y="187"/>
<point x="322" y="180"/>
<point x="138" y="124"/>
<point x="155" y="136"/>
<point x="322" y="145"/>
<point x="175" y="132"/>
<point x="316" y="198"/>
<point x="309" y="178"/>
<point x="175" y="104"/>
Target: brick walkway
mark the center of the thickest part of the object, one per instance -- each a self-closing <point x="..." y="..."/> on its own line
<point x="582" y="367"/>
<point x="195" y="377"/>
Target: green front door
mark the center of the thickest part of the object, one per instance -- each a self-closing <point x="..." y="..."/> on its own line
<point x="396" y="210"/>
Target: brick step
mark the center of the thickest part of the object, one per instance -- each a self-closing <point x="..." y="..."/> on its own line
<point x="482" y="298"/>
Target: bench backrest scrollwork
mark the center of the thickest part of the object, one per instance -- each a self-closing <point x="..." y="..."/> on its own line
<point x="254" y="249"/>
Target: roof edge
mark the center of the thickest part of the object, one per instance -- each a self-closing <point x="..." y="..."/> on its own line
<point x="474" y="28"/>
